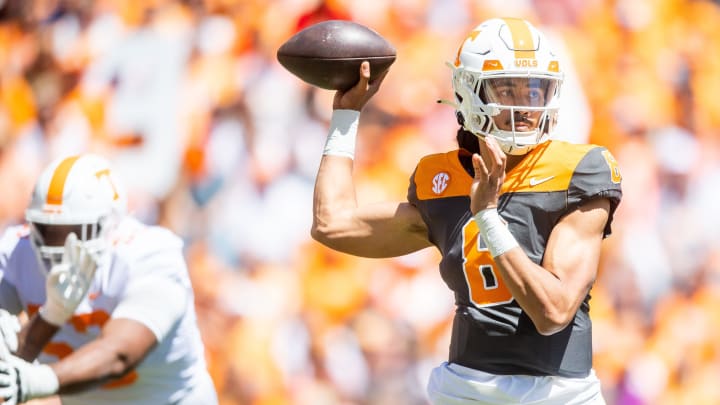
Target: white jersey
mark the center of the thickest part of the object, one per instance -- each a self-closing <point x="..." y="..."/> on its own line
<point x="174" y="370"/>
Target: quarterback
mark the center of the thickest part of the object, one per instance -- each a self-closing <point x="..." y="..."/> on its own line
<point x="518" y="217"/>
<point x="110" y="305"/>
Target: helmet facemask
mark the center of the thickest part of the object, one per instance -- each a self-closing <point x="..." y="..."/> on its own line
<point x="518" y="111"/>
<point x="49" y="240"/>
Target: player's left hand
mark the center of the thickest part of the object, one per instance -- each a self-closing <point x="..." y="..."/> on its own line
<point x="9" y="328"/>
<point x="489" y="167"/>
<point x="9" y="388"/>
<point x="67" y="283"/>
<point x="21" y="381"/>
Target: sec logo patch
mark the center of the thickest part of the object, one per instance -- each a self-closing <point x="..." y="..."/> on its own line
<point x="440" y="182"/>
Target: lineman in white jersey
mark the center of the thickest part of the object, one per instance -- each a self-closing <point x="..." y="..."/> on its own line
<point x="110" y="305"/>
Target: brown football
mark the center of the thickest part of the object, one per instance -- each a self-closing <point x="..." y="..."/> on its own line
<point x="328" y="54"/>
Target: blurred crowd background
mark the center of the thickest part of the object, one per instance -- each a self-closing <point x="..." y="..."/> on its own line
<point x="218" y="142"/>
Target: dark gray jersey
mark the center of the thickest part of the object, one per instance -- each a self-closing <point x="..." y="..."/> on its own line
<point x="490" y="331"/>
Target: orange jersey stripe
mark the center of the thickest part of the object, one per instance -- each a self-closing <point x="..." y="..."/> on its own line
<point x="57" y="184"/>
<point x="58" y="349"/>
<point x="83" y="321"/>
<point x="549" y="167"/>
<point x="123" y="381"/>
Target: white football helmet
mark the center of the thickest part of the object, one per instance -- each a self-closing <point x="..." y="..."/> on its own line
<point x="507" y="84"/>
<point x="74" y="194"/>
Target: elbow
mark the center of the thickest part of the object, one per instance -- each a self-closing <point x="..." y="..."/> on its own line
<point x="326" y="233"/>
<point x="121" y="365"/>
<point x="550" y="329"/>
<point x="320" y="233"/>
<point x="553" y="322"/>
<point x="121" y="361"/>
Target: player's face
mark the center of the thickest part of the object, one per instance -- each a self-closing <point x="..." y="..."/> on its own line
<point x="518" y="93"/>
<point x="55" y="235"/>
<point x="49" y="240"/>
<point x="524" y="120"/>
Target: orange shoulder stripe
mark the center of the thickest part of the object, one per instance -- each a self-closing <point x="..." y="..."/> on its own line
<point x="549" y="167"/>
<point x="441" y="175"/>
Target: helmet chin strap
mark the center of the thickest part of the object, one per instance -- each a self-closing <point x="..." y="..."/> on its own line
<point x="515" y="142"/>
<point x="508" y="146"/>
<point x="511" y="148"/>
<point x="508" y="141"/>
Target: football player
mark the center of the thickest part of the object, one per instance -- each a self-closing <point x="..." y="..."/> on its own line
<point x="109" y="299"/>
<point x="518" y="217"/>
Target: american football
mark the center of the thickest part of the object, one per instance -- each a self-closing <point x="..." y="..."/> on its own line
<point x="328" y="54"/>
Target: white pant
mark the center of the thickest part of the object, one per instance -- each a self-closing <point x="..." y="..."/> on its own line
<point x="452" y="384"/>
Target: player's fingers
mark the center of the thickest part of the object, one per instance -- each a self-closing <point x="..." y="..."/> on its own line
<point x="363" y="83"/>
<point x="8" y="388"/>
<point x="496" y="157"/>
<point x="487" y="155"/>
<point x="4" y="355"/>
<point x="71" y="253"/>
<point x="8" y="332"/>
<point x="479" y="166"/>
<point x="5" y="377"/>
<point x="355" y="97"/>
<point x="365" y="70"/>
<point x="57" y="276"/>
<point x="494" y="146"/>
<point x="88" y="266"/>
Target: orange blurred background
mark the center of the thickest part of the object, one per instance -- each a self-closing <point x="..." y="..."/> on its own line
<point x="219" y="143"/>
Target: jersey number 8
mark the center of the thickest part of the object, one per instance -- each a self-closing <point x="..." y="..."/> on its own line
<point x="485" y="286"/>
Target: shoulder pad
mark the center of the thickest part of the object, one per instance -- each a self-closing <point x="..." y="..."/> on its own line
<point x="439" y="176"/>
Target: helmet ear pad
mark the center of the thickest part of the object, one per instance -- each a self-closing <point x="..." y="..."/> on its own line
<point x="467" y="140"/>
<point x="458" y="114"/>
<point x="460" y="118"/>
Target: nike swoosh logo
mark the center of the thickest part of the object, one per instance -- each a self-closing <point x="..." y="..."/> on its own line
<point x="534" y="182"/>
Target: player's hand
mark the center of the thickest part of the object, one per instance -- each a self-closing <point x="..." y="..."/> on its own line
<point x="68" y="282"/>
<point x="9" y="328"/>
<point x="21" y="381"/>
<point x="356" y="97"/>
<point x="9" y="383"/>
<point x="489" y="167"/>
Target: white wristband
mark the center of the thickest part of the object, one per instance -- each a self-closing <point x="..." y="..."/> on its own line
<point x="34" y="380"/>
<point x="342" y="133"/>
<point x="44" y="382"/>
<point x="54" y="315"/>
<point x="495" y="232"/>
